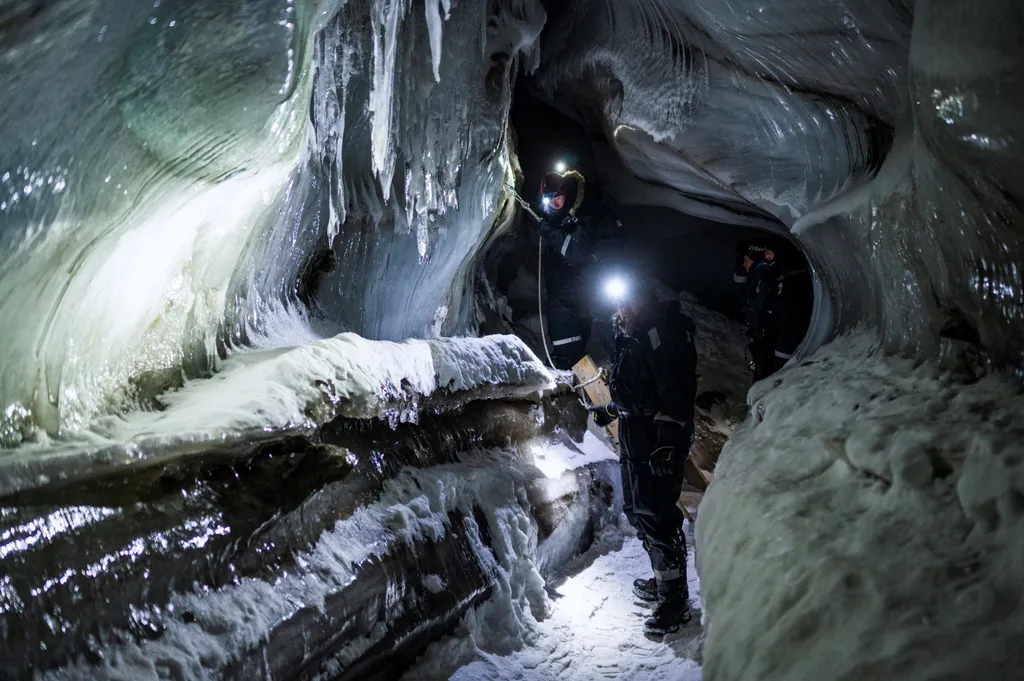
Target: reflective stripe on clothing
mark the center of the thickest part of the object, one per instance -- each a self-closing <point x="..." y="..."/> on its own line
<point x="566" y="341"/>
<point x="666" y="575"/>
<point x="668" y="419"/>
<point x="565" y="244"/>
<point x="655" y="338"/>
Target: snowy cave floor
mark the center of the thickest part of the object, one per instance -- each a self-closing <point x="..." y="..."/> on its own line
<point x="593" y="630"/>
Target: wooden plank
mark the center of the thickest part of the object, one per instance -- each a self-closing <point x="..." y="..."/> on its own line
<point x="597" y="392"/>
<point x="701" y="477"/>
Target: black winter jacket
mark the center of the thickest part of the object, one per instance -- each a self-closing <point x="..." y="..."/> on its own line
<point x="576" y="247"/>
<point x="654" y="374"/>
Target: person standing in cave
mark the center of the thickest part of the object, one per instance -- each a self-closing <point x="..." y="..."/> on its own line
<point x="776" y="298"/>
<point x="653" y="384"/>
<point x="581" y="240"/>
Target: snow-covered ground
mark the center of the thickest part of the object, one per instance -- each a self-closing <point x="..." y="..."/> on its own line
<point x="593" y="630"/>
<point x="867" y="522"/>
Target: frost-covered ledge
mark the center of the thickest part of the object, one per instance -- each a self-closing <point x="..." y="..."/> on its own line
<point x="867" y="522"/>
<point x="261" y="396"/>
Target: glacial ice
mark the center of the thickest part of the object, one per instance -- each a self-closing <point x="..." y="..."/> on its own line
<point x="164" y="215"/>
<point x="866" y="523"/>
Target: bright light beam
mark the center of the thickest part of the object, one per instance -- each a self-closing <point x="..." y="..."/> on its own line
<point x="616" y="289"/>
<point x="560" y="167"/>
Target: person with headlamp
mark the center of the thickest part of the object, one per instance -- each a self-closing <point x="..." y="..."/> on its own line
<point x="653" y="385"/>
<point x="581" y="238"/>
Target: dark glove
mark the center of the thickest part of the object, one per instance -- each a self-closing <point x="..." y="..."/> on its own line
<point x="603" y="413"/>
<point x="673" y="434"/>
<point x="663" y="463"/>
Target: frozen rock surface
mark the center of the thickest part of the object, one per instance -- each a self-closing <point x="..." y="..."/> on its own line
<point x="867" y="522"/>
<point x="339" y="557"/>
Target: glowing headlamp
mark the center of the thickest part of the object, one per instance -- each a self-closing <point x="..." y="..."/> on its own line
<point x="616" y="289"/>
<point x="546" y="200"/>
<point x="560" y="167"/>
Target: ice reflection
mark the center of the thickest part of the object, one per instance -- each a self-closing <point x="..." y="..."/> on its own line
<point x="21" y="537"/>
<point x="205" y="528"/>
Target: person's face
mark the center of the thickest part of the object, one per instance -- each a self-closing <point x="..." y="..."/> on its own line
<point x="557" y="202"/>
<point x="769" y="254"/>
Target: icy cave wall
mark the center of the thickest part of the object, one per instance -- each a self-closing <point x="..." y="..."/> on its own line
<point x="178" y="179"/>
<point x="788" y="109"/>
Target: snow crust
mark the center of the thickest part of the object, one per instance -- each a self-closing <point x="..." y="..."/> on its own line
<point x="866" y="522"/>
<point x="554" y="459"/>
<point x="295" y="390"/>
<point x="593" y="630"/>
<point x="342" y="376"/>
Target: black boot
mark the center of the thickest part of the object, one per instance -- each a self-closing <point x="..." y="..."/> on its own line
<point x="646" y="589"/>
<point x="672" y="612"/>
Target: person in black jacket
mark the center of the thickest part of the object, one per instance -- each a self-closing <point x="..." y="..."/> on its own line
<point x="580" y="241"/>
<point x="776" y="298"/>
<point x="653" y="385"/>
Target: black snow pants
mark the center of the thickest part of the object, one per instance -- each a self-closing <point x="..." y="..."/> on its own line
<point x="649" y="503"/>
<point x="572" y="310"/>
<point x="569" y="328"/>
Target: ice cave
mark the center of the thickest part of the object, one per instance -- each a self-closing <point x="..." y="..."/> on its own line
<point x="275" y="401"/>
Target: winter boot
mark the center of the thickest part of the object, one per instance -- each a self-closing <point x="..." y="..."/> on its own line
<point x="646" y="589"/>
<point x="672" y="612"/>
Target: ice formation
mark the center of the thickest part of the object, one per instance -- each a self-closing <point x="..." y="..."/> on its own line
<point x="866" y="523"/>
<point x="291" y="392"/>
<point x="414" y="507"/>
<point x="175" y="179"/>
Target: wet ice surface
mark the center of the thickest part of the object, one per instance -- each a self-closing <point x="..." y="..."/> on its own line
<point x="594" y="629"/>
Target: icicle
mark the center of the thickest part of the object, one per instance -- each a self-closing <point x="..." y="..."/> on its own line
<point x="435" y="31"/>
<point x="385" y="47"/>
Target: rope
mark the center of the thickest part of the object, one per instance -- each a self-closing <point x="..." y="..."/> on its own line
<point x="579" y="389"/>
<point x="540" y="264"/>
<point x="595" y="379"/>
